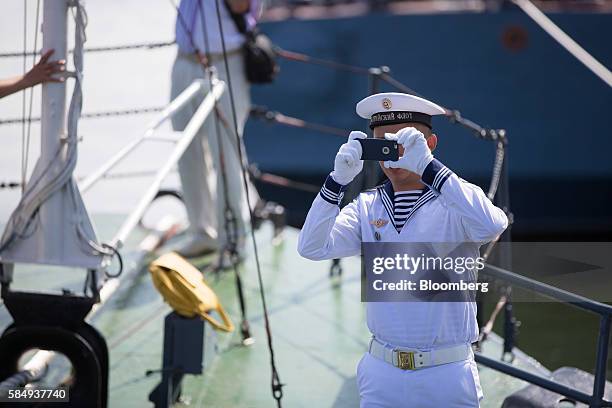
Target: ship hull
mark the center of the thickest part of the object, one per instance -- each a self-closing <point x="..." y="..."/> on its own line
<point x="499" y="69"/>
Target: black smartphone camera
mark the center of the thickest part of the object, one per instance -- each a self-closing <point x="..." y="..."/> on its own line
<point x="379" y="149"/>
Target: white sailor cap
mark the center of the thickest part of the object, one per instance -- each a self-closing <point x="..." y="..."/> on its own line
<point x="390" y="108"/>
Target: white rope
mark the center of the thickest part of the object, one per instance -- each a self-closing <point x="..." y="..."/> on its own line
<point x="565" y="40"/>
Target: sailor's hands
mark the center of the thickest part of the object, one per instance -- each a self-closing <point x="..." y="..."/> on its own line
<point x="348" y="163"/>
<point x="416" y="152"/>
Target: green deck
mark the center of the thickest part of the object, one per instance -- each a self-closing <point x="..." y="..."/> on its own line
<point x="318" y="326"/>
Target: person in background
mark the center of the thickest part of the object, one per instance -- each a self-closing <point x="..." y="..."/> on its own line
<point x="43" y="71"/>
<point x="199" y="45"/>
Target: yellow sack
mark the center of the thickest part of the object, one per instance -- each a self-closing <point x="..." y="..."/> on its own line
<point x="184" y="289"/>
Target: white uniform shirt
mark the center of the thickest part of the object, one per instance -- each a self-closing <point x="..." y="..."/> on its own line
<point x="450" y="210"/>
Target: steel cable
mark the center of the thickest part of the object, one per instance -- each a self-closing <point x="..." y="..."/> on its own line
<point x="276" y="385"/>
<point x="27" y="140"/>
<point x="23" y="94"/>
<point x="230" y="224"/>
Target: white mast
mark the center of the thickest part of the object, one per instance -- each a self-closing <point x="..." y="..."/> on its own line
<point x="53" y="126"/>
<point x="60" y="232"/>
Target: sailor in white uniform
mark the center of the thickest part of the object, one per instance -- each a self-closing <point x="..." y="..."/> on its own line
<point x="420" y="354"/>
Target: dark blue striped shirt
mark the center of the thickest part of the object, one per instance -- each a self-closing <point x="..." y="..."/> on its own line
<point x="402" y="206"/>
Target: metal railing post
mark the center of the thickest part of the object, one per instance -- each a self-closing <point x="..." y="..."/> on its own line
<point x="188" y="134"/>
<point x="175" y="105"/>
<point x="601" y="363"/>
<point x="505" y="261"/>
<point x="371" y="171"/>
<point x="370" y="174"/>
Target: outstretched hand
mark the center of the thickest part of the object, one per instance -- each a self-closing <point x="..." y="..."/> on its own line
<point x="44" y="71"/>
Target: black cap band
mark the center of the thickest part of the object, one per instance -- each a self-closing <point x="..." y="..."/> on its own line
<point x="395" y="117"/>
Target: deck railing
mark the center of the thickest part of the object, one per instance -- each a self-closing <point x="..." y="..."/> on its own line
<point x="205" y="108"/>
<point x="595" y="400"/>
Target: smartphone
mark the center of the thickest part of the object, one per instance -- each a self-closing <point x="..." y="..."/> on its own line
<point x="379" y="149"/>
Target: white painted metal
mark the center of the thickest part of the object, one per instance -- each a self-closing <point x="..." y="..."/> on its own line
<point x="184" y="97"/>
<point x="192" y="128"/>
<point x="50" y="225"/>
<point x="164" y="230"/>
<point x="565" y="40"/>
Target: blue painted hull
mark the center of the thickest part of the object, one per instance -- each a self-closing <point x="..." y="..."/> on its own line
<point x="556" y="112"/>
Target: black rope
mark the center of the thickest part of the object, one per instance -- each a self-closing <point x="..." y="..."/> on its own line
<point x="119" y="259"/>
<point x="276" y="385"/>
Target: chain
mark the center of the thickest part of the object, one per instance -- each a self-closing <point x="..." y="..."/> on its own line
<point x="497" y="170"/>
<point x="10" y="184"/>
<point x="148" y="46"/>
<point x="96" y="115"/>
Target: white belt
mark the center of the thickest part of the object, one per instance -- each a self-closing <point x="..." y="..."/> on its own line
<point x="407" y="359"/>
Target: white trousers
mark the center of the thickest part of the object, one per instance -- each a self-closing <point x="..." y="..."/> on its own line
<point x="453" y="385"/>
<point x="200" y="166"/>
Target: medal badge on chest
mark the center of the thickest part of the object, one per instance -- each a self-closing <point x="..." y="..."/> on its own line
<point x="379" y="223"/>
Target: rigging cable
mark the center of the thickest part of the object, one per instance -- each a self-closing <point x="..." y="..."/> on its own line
<point x="453" y="115"/>
<point x="229" y="218"/>
<point x="565" y="40"/>
<point x="262" y="113"/>
<point x="230" y="224"/>
<point x="277" y="390"/>
<point x="296" y="56"/>
<point x="27" y="140"/>
<point x="24" y="92"/>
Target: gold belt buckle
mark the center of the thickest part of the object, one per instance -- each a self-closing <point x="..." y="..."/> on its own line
<point x="405" y="360"/>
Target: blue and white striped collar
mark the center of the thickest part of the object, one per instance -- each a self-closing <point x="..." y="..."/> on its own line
<point x="387" y="196"/>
